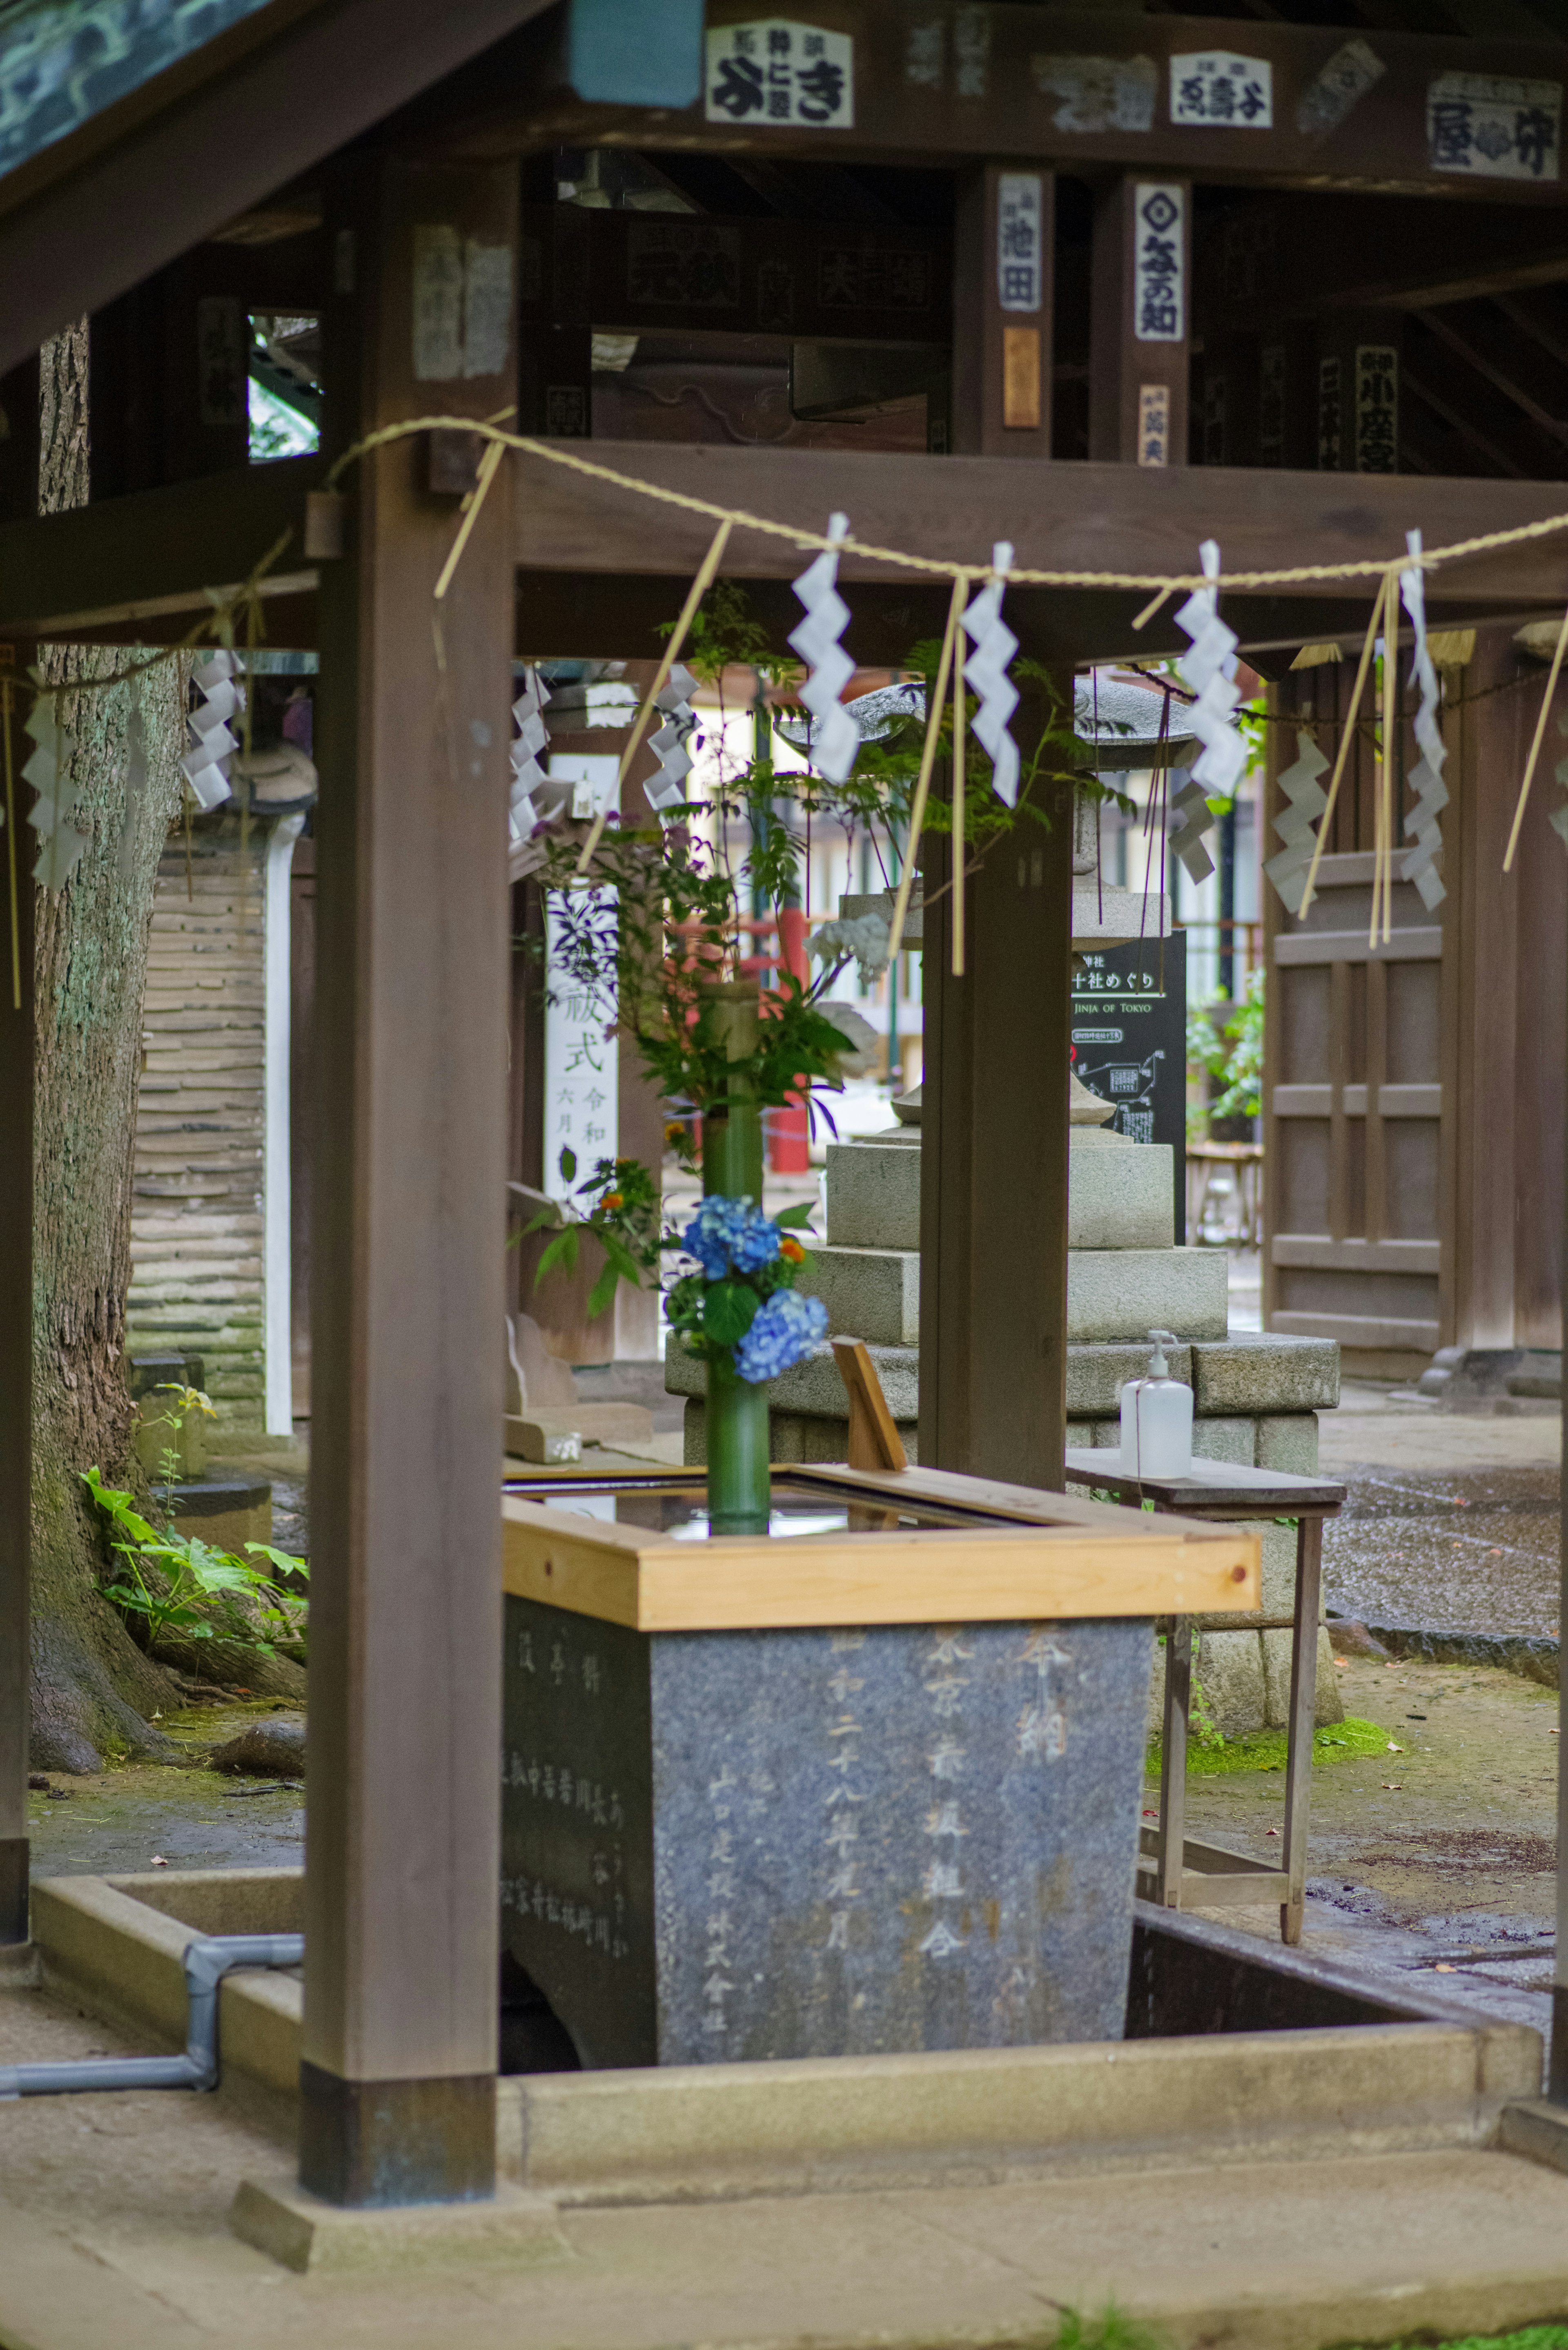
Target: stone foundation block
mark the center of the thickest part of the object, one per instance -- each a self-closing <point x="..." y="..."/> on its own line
<point x="1223" y="1439"/>
<point x="1288" y="1441"/>
<point x="1329" y="1706"/>
<point x="871" y="1294"/>
<point x="1264" y="1373"/>
<point x="1120" y="1194"/>
<point x="874" y="1193"/>
<point x="813" y="1385"/>
<point x="1229" y="1668"/>
<point x="1098" y="1373"/>
<point x="1122" y="1293"/>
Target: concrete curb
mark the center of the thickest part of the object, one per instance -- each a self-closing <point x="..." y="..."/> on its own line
<point x="817" y="2126"/>
<point x="122" y="1959"/>
<point x="1533" y="1654"/>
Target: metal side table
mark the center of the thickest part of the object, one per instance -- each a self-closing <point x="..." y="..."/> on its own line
<point x="1175" y="1867"/>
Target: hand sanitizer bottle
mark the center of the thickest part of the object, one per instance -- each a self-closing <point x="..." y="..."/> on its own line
<point x="1156" y="1419"/>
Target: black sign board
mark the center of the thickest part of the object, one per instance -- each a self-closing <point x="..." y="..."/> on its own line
<point x="1129" y="1042"/>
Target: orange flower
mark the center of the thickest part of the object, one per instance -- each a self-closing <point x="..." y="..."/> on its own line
<point x="612" y="1200"/>
<point x="793" y="1250"/>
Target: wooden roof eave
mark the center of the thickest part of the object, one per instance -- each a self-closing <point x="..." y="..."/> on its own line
<point x="92" y="214"/>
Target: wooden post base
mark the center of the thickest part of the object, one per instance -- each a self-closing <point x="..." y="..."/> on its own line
<point x="14" y="1864"/>
<point x="369" y="2143"/>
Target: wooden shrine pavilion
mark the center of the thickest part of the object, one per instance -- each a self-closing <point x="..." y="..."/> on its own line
<point x="1142" y="280"/>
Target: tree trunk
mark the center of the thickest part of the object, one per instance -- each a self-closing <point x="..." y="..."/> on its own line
<point x="93" y="1688"/>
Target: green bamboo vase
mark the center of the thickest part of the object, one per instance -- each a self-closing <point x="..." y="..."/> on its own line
<point x="738" y="1493"/>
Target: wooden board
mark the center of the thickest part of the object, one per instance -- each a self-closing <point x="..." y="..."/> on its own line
<point x="1210" y="1485"/>
<point x="932" y="1575"/>
<point x="986" y="83"/>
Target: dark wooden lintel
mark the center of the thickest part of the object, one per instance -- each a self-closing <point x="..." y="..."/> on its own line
<point x="919" y="101"/>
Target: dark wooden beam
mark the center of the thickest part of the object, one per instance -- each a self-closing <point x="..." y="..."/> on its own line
<point x="1006" y="80"/>
<point x="579" y="615"/>
<point x="154" y="545"/>
<point x="15" y="1365"/>
<point x="103" y="207"/>
<point x="397" y="2087"/>
<point x="1278" y="256"/>
<point x="1451" y="383"/>
<point x="1508" y="361"/>
<point x="665" y="273"/>
<point x="1069" y="516"/>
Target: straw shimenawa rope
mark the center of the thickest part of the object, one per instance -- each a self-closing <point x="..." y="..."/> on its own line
<point x="1165" y="583"/>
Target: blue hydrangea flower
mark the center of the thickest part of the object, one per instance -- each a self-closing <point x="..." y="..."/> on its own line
<point x="728" y="1236"/>
<point x="786" y="1327"/>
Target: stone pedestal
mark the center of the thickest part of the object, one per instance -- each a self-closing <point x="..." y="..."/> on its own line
<point x="1256" y="1397"/>
<point x="728" y="1845"/>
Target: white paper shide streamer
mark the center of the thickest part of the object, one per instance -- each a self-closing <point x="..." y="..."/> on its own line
<point x="1208" y="667"/>
<point x="61" y="839"/>
<point x="204" y="766"/>
<point x="1306" y="801"/>
<point x="673" y="744"/>
<point x="835" y="737"/>
<point x="1426" y="779"/>
<point x="530" y="739"/>
<point x="986" y="671"/>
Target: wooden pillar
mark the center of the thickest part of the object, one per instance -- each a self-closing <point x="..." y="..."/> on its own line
<point x="1140" y="321"/>
<point x="1002" y="306"/>
<point x="993" y="1170"/>
<point x="15" y="1359"/>
<point x="402" y="1862"/>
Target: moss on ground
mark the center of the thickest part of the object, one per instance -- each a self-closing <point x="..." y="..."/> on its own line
<point x="1530" y="2337"/>
<point x="1265" y="1749"/>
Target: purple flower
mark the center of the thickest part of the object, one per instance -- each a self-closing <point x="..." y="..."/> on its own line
<point x="786" y="1329"/>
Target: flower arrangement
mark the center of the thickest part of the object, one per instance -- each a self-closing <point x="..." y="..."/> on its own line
<point x="741" y="1305"/>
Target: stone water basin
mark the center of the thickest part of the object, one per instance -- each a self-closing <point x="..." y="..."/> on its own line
<point x="867" y="1785"/>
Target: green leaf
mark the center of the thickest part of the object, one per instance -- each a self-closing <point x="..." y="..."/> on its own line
<point x="621" y="1258"/>
<point x="568" y="1165"/>
<point x="283" y="1560"/>
<point x="729" y="1310"/>
<point x="561" y="1250"/>
<point x="602" y="1291"/>
<point x="547" y="1219"/>
<point x="793" y="1218"/>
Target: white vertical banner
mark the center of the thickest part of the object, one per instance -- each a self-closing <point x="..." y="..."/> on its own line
<point x="582" y="1065"/>
<point x="1160" y="261"/>
<point x="1020" y="240"/>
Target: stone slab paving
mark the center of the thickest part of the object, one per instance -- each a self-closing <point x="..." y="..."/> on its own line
<point x="113" y="2231"/>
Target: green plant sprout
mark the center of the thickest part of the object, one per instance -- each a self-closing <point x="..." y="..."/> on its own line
<point x="166" y="1583"/>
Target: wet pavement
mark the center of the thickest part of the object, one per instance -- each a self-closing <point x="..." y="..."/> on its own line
<point x="1476" y="1552"/>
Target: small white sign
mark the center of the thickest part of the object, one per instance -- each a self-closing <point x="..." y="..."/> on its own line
<point x="773" y="70"/>
<point x="1377" y="408"/>
<point x="1494" y="127"/>
<point x="582" y="1066"/>
<point x="1098" y="93"/>
<point x="1338" y="88"/>
<point x="1153" y="449"/>
<point x="1159" y="262"/>
<point x="1218" y="89"/>
<point x="1020" y="216"/>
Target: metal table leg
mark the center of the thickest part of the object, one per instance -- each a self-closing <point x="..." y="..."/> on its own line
<point x="1173" y="1763"/>
<point x="1303" y="1713"/>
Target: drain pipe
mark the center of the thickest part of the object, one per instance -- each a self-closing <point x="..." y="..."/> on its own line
<point x="207" y="1960"/>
